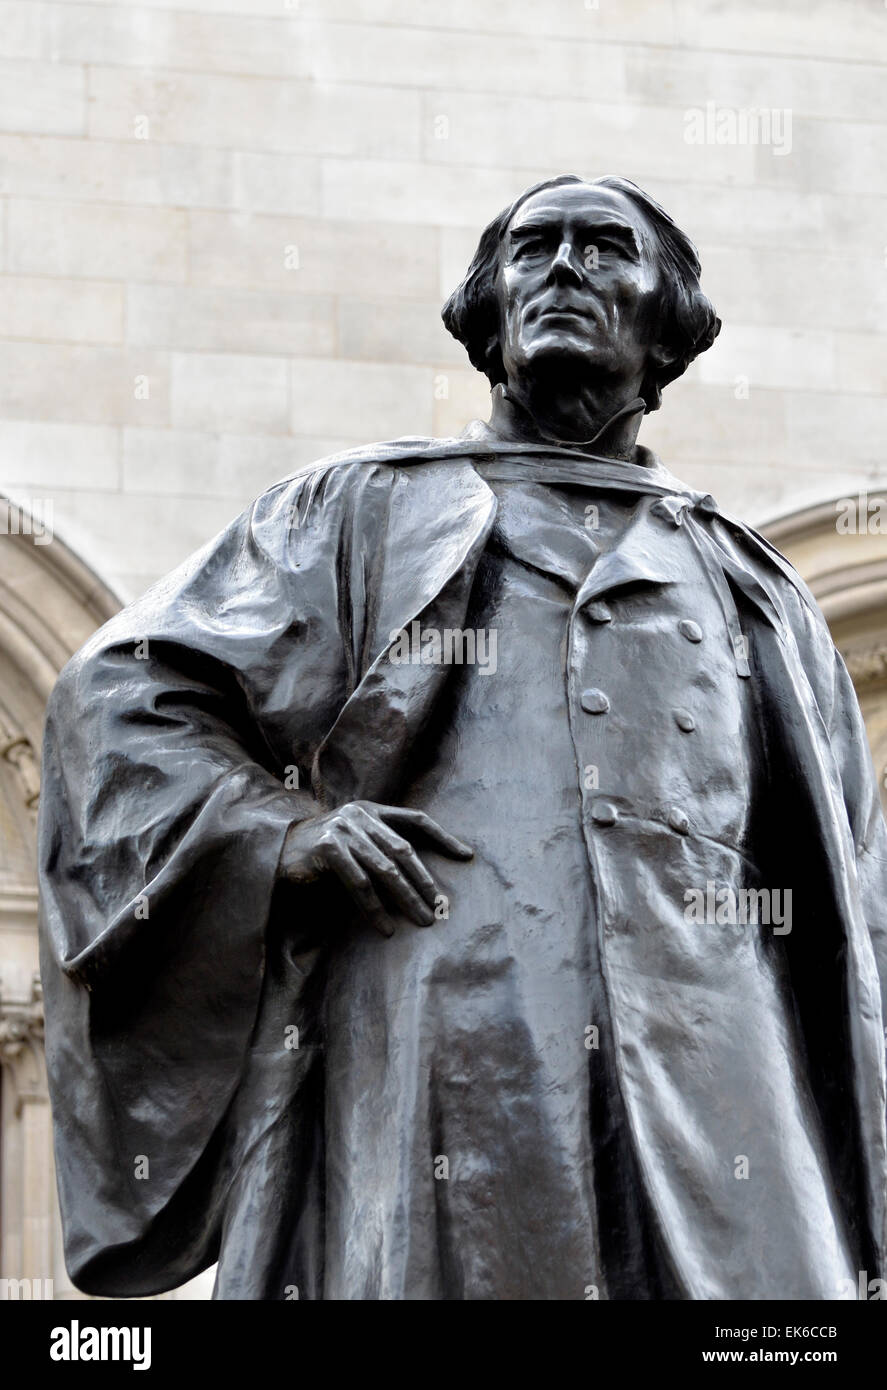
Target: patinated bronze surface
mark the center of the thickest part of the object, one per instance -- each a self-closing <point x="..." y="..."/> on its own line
<point x="395" y="852"/>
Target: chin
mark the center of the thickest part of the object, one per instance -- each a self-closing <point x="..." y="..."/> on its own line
<point x="565" y="355"/>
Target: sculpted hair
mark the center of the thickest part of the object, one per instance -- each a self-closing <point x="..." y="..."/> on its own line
<point x="690" y="324"/>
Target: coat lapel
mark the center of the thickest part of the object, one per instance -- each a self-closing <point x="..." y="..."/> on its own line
<point x="647" y="553"/>
<point x="538" y="528"/>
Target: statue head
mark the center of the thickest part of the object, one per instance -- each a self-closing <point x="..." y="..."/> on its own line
<point x="582" y="281"/>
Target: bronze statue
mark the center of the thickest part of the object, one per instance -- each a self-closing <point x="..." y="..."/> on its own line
<point x="465" y="877"/>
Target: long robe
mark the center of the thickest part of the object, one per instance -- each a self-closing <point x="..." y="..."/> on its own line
<point x="179" y="973"/>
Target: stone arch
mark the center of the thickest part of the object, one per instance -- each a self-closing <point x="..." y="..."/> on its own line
<point x="50" y="603"/>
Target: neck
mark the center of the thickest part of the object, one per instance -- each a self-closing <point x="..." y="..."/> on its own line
<point x="570" y="419"/>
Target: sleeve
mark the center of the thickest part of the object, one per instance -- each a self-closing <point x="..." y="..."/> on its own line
<point x="849" y="740"/>
<point x="847" y="737"/>
<point x="163" y="816"/>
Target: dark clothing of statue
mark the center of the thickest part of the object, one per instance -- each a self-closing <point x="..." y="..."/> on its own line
<point x="565" y="1087"/>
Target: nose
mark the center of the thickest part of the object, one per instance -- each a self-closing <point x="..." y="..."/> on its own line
<point x="564" y="267"/>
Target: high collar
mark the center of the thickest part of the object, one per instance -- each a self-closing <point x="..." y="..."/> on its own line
<point x="510" y="421"/>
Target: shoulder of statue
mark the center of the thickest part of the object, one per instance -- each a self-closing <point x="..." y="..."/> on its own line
<point x="346" y="467"/>
<point x="358" y="485"/>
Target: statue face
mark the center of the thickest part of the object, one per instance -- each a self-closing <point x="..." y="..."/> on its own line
<point x="578" y="286"/>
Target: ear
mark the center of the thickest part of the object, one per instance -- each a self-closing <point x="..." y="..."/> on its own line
<point x="660" y="355"/>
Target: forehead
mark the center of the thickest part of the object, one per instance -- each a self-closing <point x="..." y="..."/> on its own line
<point x="581" y="203"/>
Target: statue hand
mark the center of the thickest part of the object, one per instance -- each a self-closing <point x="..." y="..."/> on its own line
<point x="358" y="843"/>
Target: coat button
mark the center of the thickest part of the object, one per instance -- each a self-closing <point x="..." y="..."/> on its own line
<point x="684" y="720"/>
<point x="594" y="702"/>
<point x="604" y="813"/>
<point x="692" y="631"/>
<point x="599" y="613"/>
<point x="678" y="821"/>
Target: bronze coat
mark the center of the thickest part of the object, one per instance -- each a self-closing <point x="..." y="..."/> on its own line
<point x="172" y="963"/>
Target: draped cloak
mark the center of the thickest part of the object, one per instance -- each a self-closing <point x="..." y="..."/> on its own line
<point x="240" y="1069"/>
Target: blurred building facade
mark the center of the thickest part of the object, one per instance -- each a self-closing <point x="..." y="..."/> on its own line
<point x="227" y="230"/>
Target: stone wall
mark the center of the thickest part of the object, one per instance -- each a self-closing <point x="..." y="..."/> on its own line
<point x="228" y="227"/>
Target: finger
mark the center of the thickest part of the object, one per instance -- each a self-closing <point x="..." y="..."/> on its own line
<point x="389" y="876"/>
<point x="404" y="817"/>
<point x="403" y="854"/>
<point x="359" y="887"/>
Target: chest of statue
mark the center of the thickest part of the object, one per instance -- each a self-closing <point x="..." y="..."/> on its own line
<point x="657" y="685"/>
<point x="662" y="710"/>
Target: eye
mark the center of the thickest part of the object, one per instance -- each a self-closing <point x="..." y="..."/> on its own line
<point x="532" y="246"/>
<point x="614" y="246"/>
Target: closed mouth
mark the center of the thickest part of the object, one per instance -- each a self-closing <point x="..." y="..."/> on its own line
<point x="557" y="311"/>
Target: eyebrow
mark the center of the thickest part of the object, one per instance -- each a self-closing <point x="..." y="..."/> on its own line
<point x="612" y="227"/>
